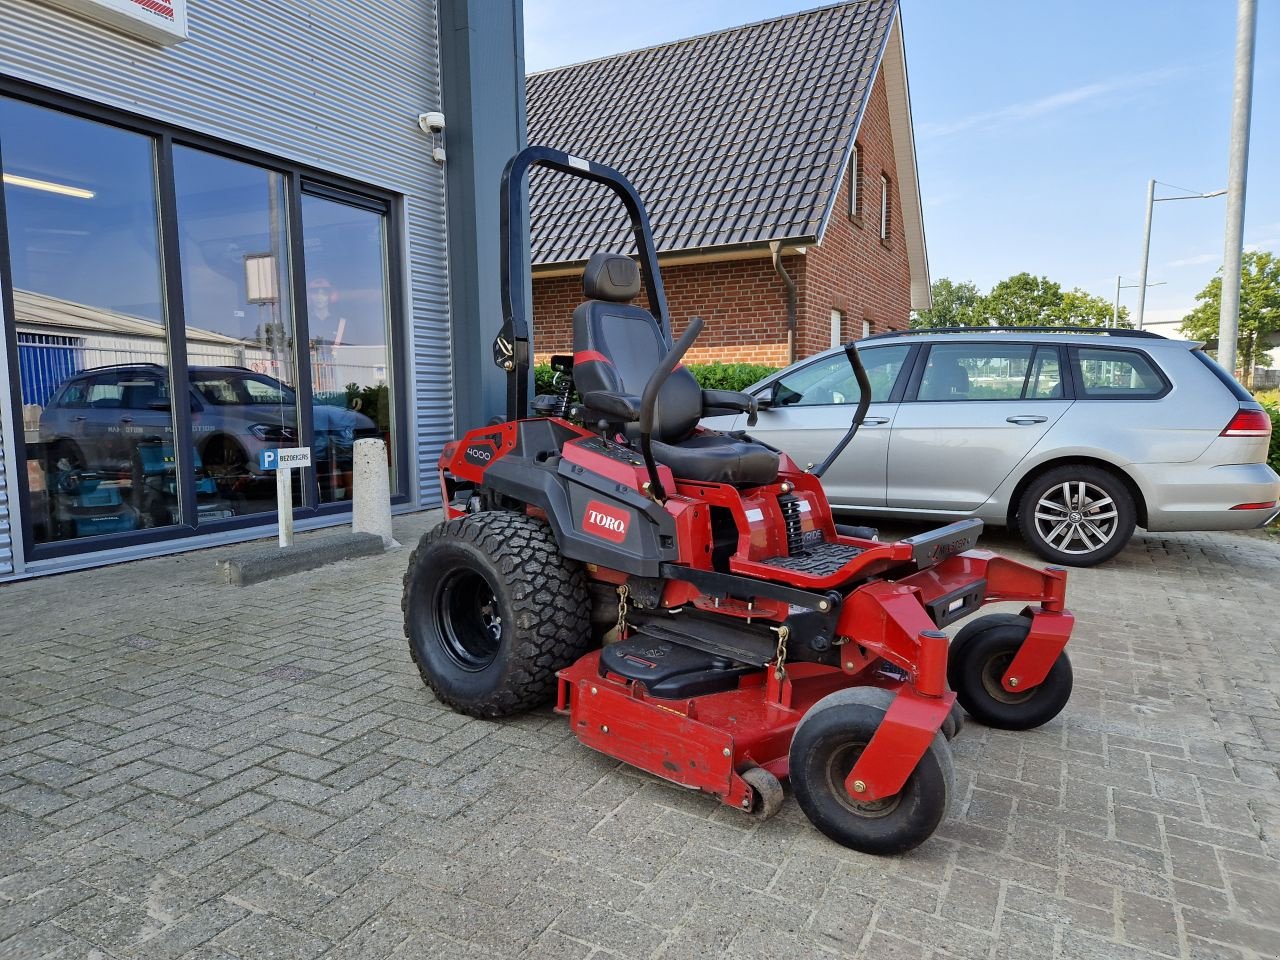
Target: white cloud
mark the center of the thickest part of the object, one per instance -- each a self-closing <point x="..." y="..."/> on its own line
<point x="1043" y="106"/>
<point x="1195" y="261"/>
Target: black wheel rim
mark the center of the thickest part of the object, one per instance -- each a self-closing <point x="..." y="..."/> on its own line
<point x="470" y="621"/>
<point x="993" y="672"/>
<point x="838" y="766"/>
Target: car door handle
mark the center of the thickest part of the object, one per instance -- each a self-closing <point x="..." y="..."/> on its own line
<point x="80" y="417"/>
<point x="1025" y="419"/>
<point x="126" y="419"/>
<point x="874" y="421"/>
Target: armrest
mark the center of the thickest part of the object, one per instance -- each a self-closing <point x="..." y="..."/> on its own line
<point x="621" y="406"/>
<point x="718" y="402"/>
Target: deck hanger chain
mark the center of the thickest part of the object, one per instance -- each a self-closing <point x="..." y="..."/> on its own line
<point x="624" y="592"/>
<point x="780" y="660"/>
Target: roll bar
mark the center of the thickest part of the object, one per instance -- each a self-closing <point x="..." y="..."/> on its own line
<point x="511" y="346"/>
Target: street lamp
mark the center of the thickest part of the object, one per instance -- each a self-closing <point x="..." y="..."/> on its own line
<point x="1152" y="200"/>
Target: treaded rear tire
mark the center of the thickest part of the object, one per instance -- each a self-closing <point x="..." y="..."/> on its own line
<point x="537" y="620"/>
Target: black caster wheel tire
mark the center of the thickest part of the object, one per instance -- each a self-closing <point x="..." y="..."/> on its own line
<point x="827" y="744"/>
<point x="1077" y="515"/>
<point x="492" y="611"/>
<point x="975" y="672"/>
<point x="979" y="624"/>
<point x="767" y="794"/>
<point x="954" y="723"/>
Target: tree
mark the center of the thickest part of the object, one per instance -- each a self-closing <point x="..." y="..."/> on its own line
<point x="1259" y="310"/>
<point x="953" y="305"/>
<point x="1081" y="309"/>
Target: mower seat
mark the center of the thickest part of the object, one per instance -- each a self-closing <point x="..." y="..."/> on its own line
<point x="617" y="346"/>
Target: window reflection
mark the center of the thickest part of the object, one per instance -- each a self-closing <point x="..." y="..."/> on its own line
<point x="348" y="320"/>
<point x="92" y="349"/>
<point x="240" y="349"/>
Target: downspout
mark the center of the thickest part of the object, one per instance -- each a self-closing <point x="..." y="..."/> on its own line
<point x="775" y="246"/>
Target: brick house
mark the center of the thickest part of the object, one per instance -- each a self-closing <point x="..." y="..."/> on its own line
<point x="781" y="149"/>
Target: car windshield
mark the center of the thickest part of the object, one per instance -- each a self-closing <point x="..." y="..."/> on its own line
<point x="239" y="389"/>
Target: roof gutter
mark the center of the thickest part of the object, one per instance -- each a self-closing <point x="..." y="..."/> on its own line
<point x="775" y="247"/>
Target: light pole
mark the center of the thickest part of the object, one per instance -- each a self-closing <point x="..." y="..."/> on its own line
<point x="1115" y="310"/>
<point x="1152" y="200"/>
<point x="1237" y="170"/>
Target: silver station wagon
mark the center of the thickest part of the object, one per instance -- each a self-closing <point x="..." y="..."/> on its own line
<point x="1073" y="437"/>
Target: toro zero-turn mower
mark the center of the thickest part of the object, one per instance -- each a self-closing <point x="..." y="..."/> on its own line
<point x="685" y="596"/>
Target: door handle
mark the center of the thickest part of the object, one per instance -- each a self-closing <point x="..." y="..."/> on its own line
<point x="875" y="421"/>
<point x="1025" y="419"/>
<point x="80" y="417"/>
<point x="126" y="419"/>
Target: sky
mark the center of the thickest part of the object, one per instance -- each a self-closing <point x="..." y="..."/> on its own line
<point x="1037" y="127"/>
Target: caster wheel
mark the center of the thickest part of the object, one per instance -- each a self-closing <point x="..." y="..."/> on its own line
<point x="976" y="666"/>
<point x="827" y="744"/>
<point x="954" y="723"/>
<point x="767" y="792"/>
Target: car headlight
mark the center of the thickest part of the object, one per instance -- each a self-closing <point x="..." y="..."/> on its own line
<point x="274" y="432"/>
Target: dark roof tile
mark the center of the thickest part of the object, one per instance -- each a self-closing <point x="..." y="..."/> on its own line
<point x="731" y="138"/>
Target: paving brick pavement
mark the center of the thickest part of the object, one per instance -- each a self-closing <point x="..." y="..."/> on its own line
<point x="189" y="770"/>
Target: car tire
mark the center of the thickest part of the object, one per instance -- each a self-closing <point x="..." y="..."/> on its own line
<point x="492" y="610"/>
<point x="1076" y="515"/>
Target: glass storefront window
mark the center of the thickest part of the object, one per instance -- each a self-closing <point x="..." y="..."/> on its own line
<point x="94" y="269"/>
<point x="240" y="342"/>
<point x="84" y="246"/>
<point x="348" y="319"/>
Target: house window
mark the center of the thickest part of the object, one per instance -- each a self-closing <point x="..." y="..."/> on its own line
<point x="866" y="328"/>
<point x="837" y="327"/>
<point x="884" y="208"/>
<point x="855" y="184"/>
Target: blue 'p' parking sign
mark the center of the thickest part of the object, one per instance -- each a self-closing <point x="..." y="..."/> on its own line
<point x="285" y="457"/>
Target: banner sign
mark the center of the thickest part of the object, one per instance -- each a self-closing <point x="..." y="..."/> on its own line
<point x="160" y="21"/>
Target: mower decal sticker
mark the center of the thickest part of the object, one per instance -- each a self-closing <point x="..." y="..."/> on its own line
<point x="755" y="515"/>
<point x="604" y="521"/>
<point x="480" y="454"/>
<point x="577" y="162"/>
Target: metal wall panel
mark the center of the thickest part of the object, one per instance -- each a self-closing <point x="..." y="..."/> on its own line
<point x="327" y="83"/>
<point x="6" y="533"/>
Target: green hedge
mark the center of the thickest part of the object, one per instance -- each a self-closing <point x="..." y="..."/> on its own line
<point x="710" y="376"/>
<point x="1273" y="455"/>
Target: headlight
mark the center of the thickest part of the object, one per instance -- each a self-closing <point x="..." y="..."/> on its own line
<point x="274" y="432"/>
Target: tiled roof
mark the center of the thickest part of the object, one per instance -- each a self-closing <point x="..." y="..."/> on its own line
<point x="737" y="137"/>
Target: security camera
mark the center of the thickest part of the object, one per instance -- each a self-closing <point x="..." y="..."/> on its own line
<point x="431" y="122"/>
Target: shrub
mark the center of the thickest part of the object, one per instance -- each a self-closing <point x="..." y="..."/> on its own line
<point x="710" y="376"/>
<point x="1273" y="454"/>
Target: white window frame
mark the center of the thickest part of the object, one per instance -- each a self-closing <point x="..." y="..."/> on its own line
<point x="854" y="185"/>
<point x="837" y="328"/>
<point x="884" y="206"/>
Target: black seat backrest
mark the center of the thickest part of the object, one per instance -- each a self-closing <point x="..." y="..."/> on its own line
<point x="617" y="346"/>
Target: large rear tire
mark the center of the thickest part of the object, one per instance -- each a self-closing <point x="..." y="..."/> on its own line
<point x="827" y="744"/>
<point x="492" y="611"/>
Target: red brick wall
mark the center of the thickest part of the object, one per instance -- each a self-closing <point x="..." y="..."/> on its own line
<point x="852" y="270"/>
<point x="744" y="302"/>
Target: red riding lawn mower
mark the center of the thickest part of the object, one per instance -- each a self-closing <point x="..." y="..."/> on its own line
<point x="687" y="597"/>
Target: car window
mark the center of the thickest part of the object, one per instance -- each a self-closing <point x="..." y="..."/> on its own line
<point x="1045" y="382"/>
<point x="73" y="395"/>
<point x="104" y="394"/>
<point x="831" y="380"/>
<point x="227" y="389"/>
<point x="1109" y="374"/>
<point x="976" y="371"/>
<point x="144" y="393"/>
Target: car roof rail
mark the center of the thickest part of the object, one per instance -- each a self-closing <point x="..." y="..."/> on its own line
<point x="117" y="366"/>
<point x="1100" y="331"/>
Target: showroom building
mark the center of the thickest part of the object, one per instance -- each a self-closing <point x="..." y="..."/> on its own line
<point x="223" y="230"/>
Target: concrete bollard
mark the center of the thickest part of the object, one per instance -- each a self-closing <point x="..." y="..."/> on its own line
<point x="371" y="492"/>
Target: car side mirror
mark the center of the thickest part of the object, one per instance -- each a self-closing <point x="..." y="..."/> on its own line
<point x="769" y="398"/>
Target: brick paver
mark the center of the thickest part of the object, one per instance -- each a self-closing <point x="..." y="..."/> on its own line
<point x="190" y="770"/>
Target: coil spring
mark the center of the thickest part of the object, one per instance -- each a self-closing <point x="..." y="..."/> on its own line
<point x="564" y="383"/>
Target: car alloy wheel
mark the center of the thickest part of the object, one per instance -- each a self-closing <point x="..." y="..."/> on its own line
<point x="1076" y="517"/>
